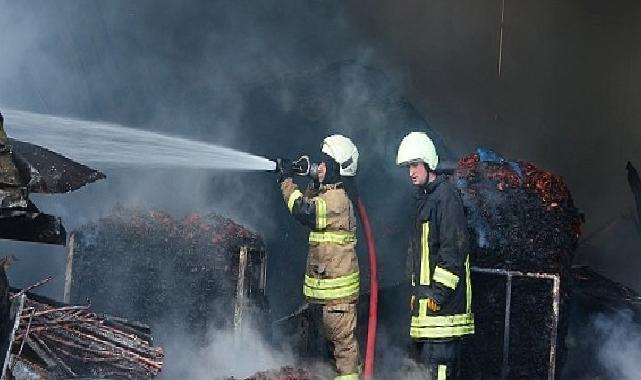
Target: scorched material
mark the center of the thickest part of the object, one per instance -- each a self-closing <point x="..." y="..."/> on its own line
<point x="524" y="228"/>
<point x="285" y="373"/>
<point x="521" y="217"/>
<point x="148" y="266"/>
<point x="67" y="341"/>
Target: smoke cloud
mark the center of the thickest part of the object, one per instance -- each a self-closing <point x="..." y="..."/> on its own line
<point x="567" y="98"/>
<point x="225" y="353"/>
<point x="621" y="350"/>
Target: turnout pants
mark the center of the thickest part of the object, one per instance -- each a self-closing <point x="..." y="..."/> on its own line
<point x="440" y="358"/>
<point x="339" y="323"/>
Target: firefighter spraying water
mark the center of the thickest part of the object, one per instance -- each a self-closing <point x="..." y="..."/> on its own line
<point x="332" y="277"/>
<point x="330" y="212"/>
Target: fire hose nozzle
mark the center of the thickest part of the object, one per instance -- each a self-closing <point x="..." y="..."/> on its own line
<point x="302" y="166"/>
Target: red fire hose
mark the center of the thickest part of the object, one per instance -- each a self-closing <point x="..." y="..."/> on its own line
<point x="373" y="292"/>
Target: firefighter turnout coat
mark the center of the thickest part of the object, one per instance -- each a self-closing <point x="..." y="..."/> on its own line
<point x="332" y="275"/>
<point x="439" y="263"/>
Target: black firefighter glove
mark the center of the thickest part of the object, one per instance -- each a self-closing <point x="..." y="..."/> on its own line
<point x="284" y="169"/>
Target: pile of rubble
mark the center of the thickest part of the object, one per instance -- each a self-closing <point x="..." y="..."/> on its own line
<point x="285" y="373"/>
<point x="64" y="341"/>
<point x="521" y="217"/>
<point x="178" y="273"/>
<point x="525" y="229"/>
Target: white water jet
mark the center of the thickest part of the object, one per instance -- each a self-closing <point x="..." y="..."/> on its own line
<point x="112" y="145"/>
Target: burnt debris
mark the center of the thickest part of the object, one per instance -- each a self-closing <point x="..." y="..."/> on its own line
<point x="26" y="168"/>
<point x="521" y="217"/>
<point x="524" y="231"/>
<point x="51" y="172"/>
<point x="195" y="273"/>
<point x="285" y="373"/>
<point x="55" y="340"/>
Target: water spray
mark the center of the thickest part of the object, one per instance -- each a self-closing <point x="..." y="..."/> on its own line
<point x="108" y="145"/>
<point x="112" y="145"/>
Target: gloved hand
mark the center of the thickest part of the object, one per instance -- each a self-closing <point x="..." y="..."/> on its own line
<point x="284" y="169"/>
<point x="432" y="305"/>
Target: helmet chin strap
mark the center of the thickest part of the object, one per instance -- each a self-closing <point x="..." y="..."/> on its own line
<point x="332" y="170"/>
<point x="431" y="176"/>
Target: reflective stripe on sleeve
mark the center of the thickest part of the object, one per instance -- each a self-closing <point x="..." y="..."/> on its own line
<point x="292" y="198"/>
<point x="442" y="372"/>
<point x="321" y="213"/>
<point x="445" y="277"/>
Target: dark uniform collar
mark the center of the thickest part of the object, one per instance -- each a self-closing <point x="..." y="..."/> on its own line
<point x="429" y="188"/>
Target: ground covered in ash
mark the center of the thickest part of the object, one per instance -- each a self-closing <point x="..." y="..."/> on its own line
<point x="285" y="373"/>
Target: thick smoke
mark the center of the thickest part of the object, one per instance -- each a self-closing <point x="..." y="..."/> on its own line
<point x="566" y="99"/>
<point x="224" y="353"/>
<point x="620" y="355"/>
<point x="181" y="69"/>
<point x="551" y="105"/>
<point x="168" y="67"/>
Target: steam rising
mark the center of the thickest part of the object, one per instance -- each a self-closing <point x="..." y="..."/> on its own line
<point x="620" y="355"/>
<point x="225" y="353"/>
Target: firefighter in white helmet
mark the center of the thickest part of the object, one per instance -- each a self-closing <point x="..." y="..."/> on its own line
<point x="332" y="276"/>
<point x="441" y="300"/>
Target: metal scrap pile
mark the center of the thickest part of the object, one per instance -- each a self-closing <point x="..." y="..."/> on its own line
<point x="285" y="373"/>
<point x="148" y="266"/>
<point x="62" y="341"/>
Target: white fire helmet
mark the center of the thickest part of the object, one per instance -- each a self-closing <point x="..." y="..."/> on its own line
<point x="343" y="151"/>
<point x="417" y="146"/>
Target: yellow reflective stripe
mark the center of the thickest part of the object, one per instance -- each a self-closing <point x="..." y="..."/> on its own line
<point x="442" y="372"/>
<point x="331" y="288"/>
<point x="440" y="332"/>
<point x="422" y="307"/>
<point x="351" y="376"/>
<point x="330" y="294"/>
<point x="445" y="277"/>
<point x="468" y="282"/>
<point x="326" y="283"/>
<point x="442" y="320"/>
<point x="321" y="213"/>
<point x="292" y="198"/>
<point x="332" y="237"/>
<point x="425" y="255"/>
<point x="442" y="326"/>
